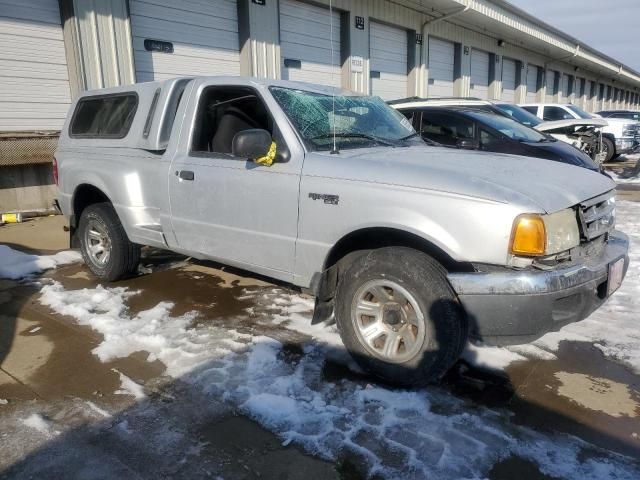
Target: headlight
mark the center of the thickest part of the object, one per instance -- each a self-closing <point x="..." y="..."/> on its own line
<point x="535" y="235"/>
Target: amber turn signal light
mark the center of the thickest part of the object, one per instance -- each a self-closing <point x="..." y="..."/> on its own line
<point x="529" y="236"/>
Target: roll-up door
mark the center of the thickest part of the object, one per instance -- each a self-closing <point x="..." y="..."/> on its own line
<point x="509" y="80"/>
<point x="388" y="61"/>
<point x="34" y="81"/>
<point x="550" y="84"/>
<point x="564" y="96"/>
<point x="532" y="83"/>
<point x="479" y="74"/>
<point x="189" y="37"/>
<point x="306" y="41"/>
<point x="441" y="68"/>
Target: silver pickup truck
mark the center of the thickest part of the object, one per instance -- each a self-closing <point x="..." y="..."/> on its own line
<point x="411" y="248"/>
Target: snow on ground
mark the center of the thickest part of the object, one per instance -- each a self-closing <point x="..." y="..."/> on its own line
<point x="15" y="264"/>
<point x="129" y="387"/>
<point x="632" y="175"/>
<point x="38" y="422"/>
<point x="392" y="432"/>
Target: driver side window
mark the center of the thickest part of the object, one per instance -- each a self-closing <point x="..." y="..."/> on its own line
<point x="222" y="113"/>
<point x="445" y="128"/>
<point x="555" y="113"/>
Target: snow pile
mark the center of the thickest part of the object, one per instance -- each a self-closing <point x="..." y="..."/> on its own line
<point x="166" y="338"/>
<point x="632" y="178"/>
<point x="15" y="264"/>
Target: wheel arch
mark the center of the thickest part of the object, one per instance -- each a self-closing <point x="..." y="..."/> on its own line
<point x="360" y="241"/>
<point x="84" y="195"/>
<point x="369" y="238"/>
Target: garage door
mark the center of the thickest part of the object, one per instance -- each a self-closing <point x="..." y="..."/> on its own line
<point x="509" y="80"/>
<point x="532" y="83"/>
<point x="441" y="68"/>
<point x="480" y="74"/>
<point x="201" y="38"/>
<point x="550" y="84"/>
<point x="306" y="41"/>
<point x="34" y="81"/>
<point x="564" y="98"/>
<point x="388" y="61"/>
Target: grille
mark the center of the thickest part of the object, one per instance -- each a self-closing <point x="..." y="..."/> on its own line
<point x="597" y="216"/>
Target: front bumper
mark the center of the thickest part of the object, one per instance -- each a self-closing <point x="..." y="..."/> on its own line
<point x="508" y="306"/>
<point x="625" y="144"/>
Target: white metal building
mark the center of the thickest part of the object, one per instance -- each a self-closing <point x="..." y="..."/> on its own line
<point x="53" y="49"/>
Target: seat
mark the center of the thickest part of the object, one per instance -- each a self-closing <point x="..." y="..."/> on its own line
<point x="232" y="121"/>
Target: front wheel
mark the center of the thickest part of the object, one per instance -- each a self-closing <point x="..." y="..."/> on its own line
<point x="608" y="148"/>
<point x="104" y="244"/>
<point x="399" y="317"/>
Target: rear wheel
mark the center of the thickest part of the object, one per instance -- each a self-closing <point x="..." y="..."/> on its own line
<point x="398" y="316"/>
<point x="105" y="247"/>
<point x="608" y="148"/>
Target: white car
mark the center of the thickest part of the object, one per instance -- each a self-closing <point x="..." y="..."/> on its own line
<point x="618" y="137"/>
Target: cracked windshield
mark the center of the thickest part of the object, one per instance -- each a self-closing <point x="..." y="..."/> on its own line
<point x="358" y="121"/>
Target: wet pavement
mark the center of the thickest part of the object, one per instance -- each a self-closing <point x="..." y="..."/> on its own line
<point x="89" y="425"/>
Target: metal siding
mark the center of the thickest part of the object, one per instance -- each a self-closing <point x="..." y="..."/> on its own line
<point x="204" y="37"/>
<point x="532" y="83"/>
<point x="509" y="80"/>
<point x="479" y="74"/>
<point x="388" y="56"/>
<point x="305" y="35"/>
<point x="441" y="68"/>
<point x="564" y="98"/>
<point x="34" y="81"/>
<point x="550" y="79"/>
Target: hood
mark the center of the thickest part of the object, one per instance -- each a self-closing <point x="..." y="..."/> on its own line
<point x="561" y="152"/>
<point x="532" y="183"/>
<point x="575" y="122"/>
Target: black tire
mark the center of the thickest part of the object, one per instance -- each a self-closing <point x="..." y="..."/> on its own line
<point x="609" y="147"/>
<point x="124" y="255"/>
<point x="444" y="319"/>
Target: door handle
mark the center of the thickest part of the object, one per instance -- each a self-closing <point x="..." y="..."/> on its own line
<point x="185" y="175"/>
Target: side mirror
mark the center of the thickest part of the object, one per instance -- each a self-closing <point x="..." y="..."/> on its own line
<point x="468" y="144"/>
<point x="253" y="143"/>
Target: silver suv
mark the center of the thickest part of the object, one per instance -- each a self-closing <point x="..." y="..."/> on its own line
<point x="411" y="248"/>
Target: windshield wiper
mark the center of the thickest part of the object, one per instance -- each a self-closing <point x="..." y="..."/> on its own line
<point x="428" y="141"/>
<point x="373" y="138"/>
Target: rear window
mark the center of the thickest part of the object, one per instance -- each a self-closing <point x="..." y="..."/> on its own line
<point x="104" y="116"/>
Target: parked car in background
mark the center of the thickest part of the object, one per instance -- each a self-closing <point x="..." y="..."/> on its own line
<point x="410" y="248"/>
<point x="583" y="134"/>
<point x="620" y="136"/>
<point x="626" y="114"/>
<point x="486" y="127"/>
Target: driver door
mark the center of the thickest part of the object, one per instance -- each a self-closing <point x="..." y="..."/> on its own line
<point x="228" y="208"/>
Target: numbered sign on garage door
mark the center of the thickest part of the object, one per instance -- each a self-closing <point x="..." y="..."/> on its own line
<point x="388" y="61"/>
<point x="479" y="74"/>
<point x="532" y="83"/>
<point x="441" y="68"/>
<point x="306" y="41"/>
<point x="189" y="37"/>
<point x="509" y="80"/>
